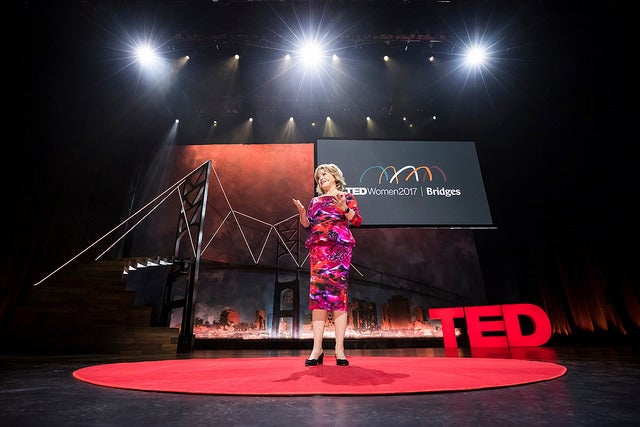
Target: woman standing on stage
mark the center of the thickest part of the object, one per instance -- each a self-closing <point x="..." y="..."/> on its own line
<point x="330" y="245"/>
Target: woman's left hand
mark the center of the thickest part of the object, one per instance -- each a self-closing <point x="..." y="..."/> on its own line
<point x="340" y="201"/>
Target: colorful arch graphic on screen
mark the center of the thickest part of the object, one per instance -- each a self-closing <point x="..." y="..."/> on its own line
<point x="413" y="172"/>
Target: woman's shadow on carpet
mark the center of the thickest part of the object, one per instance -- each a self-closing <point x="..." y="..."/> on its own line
<point x="345" y="375"/>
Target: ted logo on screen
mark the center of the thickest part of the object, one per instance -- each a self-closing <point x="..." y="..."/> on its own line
<point x="403" y="178"/>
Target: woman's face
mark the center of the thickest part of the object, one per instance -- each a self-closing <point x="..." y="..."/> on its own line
<point x="325" y="180"/>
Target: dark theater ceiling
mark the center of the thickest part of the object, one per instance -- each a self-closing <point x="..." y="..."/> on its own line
<point x="359" y="32"/>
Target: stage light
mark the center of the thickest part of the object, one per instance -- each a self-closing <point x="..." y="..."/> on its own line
<point x="386" y="58"/>
<point x="311" y="53"/>
<point x="476" y="56"/>
<point x="236" y="56"/>
<point x="146" y="55"/>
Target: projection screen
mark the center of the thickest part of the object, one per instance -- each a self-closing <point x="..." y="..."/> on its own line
<point x="411" y="183"/>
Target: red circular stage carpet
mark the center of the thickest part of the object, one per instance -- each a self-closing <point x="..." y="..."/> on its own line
<point x="287" y="376"/>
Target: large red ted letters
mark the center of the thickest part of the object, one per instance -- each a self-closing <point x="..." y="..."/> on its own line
<point x="505" y="319"/>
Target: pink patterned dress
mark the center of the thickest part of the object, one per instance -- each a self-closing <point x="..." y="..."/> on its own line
<point x="330" y="245"/>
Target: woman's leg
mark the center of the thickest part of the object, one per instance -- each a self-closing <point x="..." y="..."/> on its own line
<point x="340" y="323"/>
<point x="318" y="321"/>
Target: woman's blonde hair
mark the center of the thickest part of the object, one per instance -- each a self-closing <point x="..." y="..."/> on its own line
<point x="334" y="171"/>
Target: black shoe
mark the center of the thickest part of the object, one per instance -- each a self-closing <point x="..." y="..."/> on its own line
<point x="314" y="362"/>
<point x="342" y="362"/>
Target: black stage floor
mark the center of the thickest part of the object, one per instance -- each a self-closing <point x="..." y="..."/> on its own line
<point x="601" y="388"/>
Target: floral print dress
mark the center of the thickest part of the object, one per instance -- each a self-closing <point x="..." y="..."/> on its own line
<point x="330" y="245"/>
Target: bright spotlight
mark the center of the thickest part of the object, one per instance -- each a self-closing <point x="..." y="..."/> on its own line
<point x="146" y="55"/>
<point x="476" y="56"/>
<point x="311" y="53"/>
